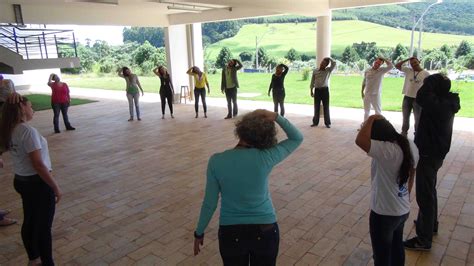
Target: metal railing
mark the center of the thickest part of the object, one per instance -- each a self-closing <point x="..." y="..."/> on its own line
<point x="38" y="43"/>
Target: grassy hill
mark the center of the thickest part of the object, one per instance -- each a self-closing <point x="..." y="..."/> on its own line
<point x="279" y="38"/>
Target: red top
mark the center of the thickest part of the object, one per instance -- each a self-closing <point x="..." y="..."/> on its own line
<point x="60" y="93"/>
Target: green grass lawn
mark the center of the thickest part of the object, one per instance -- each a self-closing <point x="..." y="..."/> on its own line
<point x="345" y="90"/>
<point x="302" y="37"/>
<point x="43" y="102"/>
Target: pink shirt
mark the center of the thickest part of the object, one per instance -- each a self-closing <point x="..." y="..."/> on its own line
<point x="60" y="93"/>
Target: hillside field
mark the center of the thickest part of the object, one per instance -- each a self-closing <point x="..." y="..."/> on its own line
<point x="279" y="38"/>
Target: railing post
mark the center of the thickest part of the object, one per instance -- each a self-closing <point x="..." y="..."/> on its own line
<point x="26" y="48"/>
<point x="56" y="43"/>
<point x="16" y="42"/>
<point x="45" y="46"/>
<point x="39" y="45"/>
<point x="74" y="43"/>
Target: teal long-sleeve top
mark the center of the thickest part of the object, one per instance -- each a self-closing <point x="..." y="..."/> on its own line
<point x="240" y="176"/>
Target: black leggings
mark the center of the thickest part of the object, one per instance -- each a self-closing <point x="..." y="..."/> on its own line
<point x="38" y="214"/>
<point x="200" y="92"/>
<point x="279" y="99"/>
<point x="166" y="97"/>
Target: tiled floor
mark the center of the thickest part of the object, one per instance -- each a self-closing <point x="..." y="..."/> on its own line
<point x="132" y="192"/>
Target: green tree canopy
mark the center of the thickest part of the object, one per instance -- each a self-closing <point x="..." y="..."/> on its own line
<point x="399" y="53"/>
<point x="292" y="55"/>
<point x="155" y="36"/>
<point x="224" y="56"/>
<point x="246" y="56"/>
<point x="464" y="48"/>
<point x="350" y="55"/>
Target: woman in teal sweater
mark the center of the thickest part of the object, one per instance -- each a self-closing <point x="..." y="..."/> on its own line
<point x="248" y="231"/>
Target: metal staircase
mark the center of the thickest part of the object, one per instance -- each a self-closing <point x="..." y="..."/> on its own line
<point x="36" y="48"/>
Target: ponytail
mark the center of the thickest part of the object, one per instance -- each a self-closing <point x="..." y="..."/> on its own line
<point x="407" y="163"/>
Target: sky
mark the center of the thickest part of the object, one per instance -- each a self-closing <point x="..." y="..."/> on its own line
<point x="111" y="34"/>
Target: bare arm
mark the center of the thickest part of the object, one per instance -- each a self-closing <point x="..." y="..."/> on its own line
<point x="363" y="87"/>
<point x="120" y="74"/>
<point x="363" y="137"/>
<point x="190" y="71"/>
<point x="333" y="64"/>
<point x="43" y="172"/>
<point x="50" y="79"/>
<point x="400" y="64"/>
<point x="238" y="65"/>
<point x="139" y="85"/>
<point x="157" y="71"/>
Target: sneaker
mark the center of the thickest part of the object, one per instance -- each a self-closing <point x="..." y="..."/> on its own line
<point x="71" y="128"/>
<point x="314" y="125"/>
<point x="57" y="131"/>
<point x="130" y="119"/>
<point x="415" y="244"/>
<point x="435" y="228"/>
<point x="228" y="117"/>
<point x="328" y="126"/>
<point x="139" y="119"/>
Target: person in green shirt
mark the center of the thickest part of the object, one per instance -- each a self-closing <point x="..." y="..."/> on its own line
<point x="133" y="84"/>
<point x="200" y="83"/>
<point x="248" y="230"/>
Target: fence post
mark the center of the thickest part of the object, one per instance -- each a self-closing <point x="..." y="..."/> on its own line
<point x="56" y="43"/>
<point x="45" y="46"/>
<point x="74" y="43"/>
<point x="16" y="42"/>
<point x="39" y="45"/>
<point x="26" y="49"/>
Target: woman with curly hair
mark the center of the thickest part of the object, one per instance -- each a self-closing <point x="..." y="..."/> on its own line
<point x="248" y="231"/>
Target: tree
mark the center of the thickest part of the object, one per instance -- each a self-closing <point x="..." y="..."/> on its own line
<point x="350" y="55"/>
<point x="144" y="52"/>
<point x="292" y="55"/>
<point x="463" y="49"/>
<point x="224" y="56"/>
<point x="305" y="57"/>
<point x="155" y="36"/>
<point x="367" y="50"/>
<point x="447" y="51"/>
<point x="262" y="57"/>
<point x="400" y="53"/>
<point x="101" y="49"/>
<point x="245" y="56"/>
<point x="216" y="31"/>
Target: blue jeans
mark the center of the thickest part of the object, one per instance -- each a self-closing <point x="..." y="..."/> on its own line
<point x="386" y="235"/>
<point x="60" y="107"/>
<point x="249" y="244"/>
<point x="133" y="98"/>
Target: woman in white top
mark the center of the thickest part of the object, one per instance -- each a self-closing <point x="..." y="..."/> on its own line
<point x="33" y="179"/>
<point x="392" y="172"/>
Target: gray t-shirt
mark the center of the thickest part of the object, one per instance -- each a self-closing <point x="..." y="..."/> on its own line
<point x="320" y="78"/>
<point x="387" y="198"/>
<point x="26" y="139"/>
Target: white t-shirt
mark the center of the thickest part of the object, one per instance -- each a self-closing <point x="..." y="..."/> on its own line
<point x="26" y="139"/>
<point x="387" y="198"/>
<point x="373" y="79"/>
<point x="413" y="81"/>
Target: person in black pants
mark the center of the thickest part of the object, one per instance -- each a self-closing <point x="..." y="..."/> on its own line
<point x="200" y="84"/>
<point x="433" y="138"/>
<point x="229" y="85"/>
<point x="33" y="179"/>
<point x="319" y="84"/>
<point x="166" y="89"/>
<point x="278" y="86"/>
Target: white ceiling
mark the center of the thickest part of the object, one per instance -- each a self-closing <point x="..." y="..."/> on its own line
<point x="156" y="13"/>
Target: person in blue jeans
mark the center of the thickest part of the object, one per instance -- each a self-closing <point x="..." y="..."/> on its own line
<point x="248" y="231"/>
<point x="392" y="172"/>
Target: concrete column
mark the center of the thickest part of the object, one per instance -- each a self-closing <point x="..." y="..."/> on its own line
<point x="183" y="50"/>
<point x="323" y="37"/>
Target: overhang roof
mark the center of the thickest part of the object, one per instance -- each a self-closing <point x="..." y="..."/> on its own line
<point x="156" y="13"/>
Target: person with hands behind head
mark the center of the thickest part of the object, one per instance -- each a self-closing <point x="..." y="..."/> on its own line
<point x="320" y="85"/>
<point x="166" y="89"/>
<point x="248" y="231"/>
<point x="133" y="96"/>
<point x="278" y="86"/>
<point x="200" y="83"/>
<point x="394" y="159"/>
<point x="414" y="77"/>
<point x="229" y="85"/>
<point x="33" y="178"/>
<point x="372" y="86"/>
<point x="60" y="101"/>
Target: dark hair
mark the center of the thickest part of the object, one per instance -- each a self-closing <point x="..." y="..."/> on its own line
<point x="256" y="131"/>
<point x="11" y="117"/>
<point x="439" y="83"/>
<point x="384" y="131"/>
<point x="124" y="69"/>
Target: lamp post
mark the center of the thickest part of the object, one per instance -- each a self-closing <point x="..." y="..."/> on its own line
<point x="416" y="24"/>
<point x="257" y="40"/>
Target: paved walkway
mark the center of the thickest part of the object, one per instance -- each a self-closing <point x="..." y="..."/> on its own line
<point x="132" y="190"/>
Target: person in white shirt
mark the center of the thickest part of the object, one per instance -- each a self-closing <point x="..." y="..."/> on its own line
<point x="414" y="77"/>
<point x="372" y="86"/>
<point x="392" y="174"/>
<point x="33" y="179"/>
